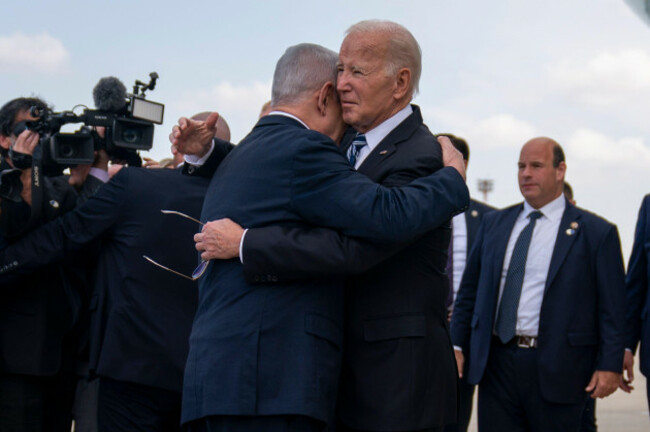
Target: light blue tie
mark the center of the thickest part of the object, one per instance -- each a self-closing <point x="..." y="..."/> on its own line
<point x="507" y="315"/>
<point x="356" y="146"/>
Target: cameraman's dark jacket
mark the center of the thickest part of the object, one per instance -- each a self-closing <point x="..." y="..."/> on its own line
<point x="39" y="311"/>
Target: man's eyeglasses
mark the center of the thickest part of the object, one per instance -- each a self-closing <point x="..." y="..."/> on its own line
<point x="199" y="270"/>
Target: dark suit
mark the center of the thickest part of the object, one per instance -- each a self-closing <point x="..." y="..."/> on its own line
<point x="580" y="325"/>
<point x="40" y="321"/>
<point x="473" y="217"/>
<point x="395" y="312"/>
<point x="274" y="350"/>
<point x="638" y="289"/>
<point x="141" y="315"/>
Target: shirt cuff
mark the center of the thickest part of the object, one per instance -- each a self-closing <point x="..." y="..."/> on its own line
<point x="457" y="348"/>
<point x="241" y="246"/>
<point x="99" y="174"/>
<point x="199" y="161"/>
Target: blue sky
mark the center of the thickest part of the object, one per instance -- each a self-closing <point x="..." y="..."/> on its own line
<point x="497" y="73"/>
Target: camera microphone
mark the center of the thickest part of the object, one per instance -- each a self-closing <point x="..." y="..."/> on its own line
<point x="110" y="95"/>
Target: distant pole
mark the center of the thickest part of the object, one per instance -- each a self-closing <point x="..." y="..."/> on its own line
<point x="485" y="186"/>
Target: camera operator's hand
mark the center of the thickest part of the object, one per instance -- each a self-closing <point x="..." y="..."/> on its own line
<point x="26" y="142"/>
<point x="26" y="180"/>
<point x="193" y="137"/>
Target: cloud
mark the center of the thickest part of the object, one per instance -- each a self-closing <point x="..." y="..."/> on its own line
<point x="35" y="53"/>
<point x="595" y="148"/>
<point x="493" y="132"/>
<point x="606" y="78"/>
<point x="239" y="104"/>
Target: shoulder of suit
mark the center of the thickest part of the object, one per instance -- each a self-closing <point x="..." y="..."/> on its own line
<point x="481" y="207"/>
<point x="592" y="219"/>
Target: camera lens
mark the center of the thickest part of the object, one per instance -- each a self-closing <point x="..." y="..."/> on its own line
<point x="131" y="136"/>
<point x="66" y="150"/>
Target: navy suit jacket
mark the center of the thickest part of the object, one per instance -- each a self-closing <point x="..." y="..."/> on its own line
<point x="141" y="315"/>
<point x="581" y="325"/>
<point x="270" y="350"/>
<point x="473" y="217"/>
<point x="638" y="289"/>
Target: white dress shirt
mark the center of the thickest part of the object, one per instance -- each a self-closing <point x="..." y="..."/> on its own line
<point x="376" y="135"/>
<point x="538" y="262"/>
<point x="459" y="232"/>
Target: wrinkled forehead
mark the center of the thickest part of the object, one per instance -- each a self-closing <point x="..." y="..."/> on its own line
<point x="364" y="46"/>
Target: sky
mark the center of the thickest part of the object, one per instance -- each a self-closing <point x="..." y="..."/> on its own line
<point x="494" y="72"/>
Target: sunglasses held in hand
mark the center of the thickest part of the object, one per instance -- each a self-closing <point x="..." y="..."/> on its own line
<point x="199" y="270"/>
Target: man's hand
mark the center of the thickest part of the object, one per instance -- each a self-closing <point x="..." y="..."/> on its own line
<point x="194" y="137"/>
<point x="150" y="163"/>
<point x="628" y="369"/>
<point x="26" y="142"/>
<point x="460" y="361"/>
<point x="219" y="240"/>
<point x="451" y="156"/>
<point x="603" y="383"/>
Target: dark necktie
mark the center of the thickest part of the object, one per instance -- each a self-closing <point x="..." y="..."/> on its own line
<point x="507" y="315"/>
<point x="356" y="146"/>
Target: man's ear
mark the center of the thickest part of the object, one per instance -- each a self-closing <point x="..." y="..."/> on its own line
<point x="325" y="97"/>
<point x="402" y="83"/>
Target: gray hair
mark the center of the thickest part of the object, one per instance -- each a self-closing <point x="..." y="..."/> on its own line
<point x="403" y="50"/>
<point x="302" y="69"/>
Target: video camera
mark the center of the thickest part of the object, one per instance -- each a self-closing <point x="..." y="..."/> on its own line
<point x="128" y="119"/>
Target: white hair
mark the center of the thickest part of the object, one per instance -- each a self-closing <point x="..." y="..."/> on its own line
<point x="403" y="50"/>
<point x="302" y="69"/>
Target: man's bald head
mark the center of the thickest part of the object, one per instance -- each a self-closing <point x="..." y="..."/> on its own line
<point x="541" y="171"/>
<point x="223" y="131"/>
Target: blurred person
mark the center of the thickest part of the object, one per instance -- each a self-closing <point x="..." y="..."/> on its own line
<point x="568" y="193"/>
<point x="288" y="171"/>
<point x="464" y="228"/>
<point x="540" y="310"/>
<point x="266" y="108"/>
<point x="638" y="301"/>
<point x="41" y="314"/>
<point x="141" y="314"/>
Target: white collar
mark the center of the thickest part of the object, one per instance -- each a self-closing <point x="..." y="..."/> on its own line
<point x="553" y="211"/>
<point x="286" y="114"/>
<point x="376" y="135"/>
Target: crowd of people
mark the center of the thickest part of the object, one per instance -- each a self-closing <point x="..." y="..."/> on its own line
<point x="345" y="281"/>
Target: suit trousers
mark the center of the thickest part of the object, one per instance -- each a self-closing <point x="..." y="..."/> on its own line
<point x="465" y="402"/>
<point x="277" y="423"/>
<point x="124" y="406"/>
<point x="36" y="404"/>
<point x="509" y="397"/>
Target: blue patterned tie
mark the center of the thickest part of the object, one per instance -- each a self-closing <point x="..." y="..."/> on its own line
<point x="356" y="146"/>
<point x="507" y="315"/>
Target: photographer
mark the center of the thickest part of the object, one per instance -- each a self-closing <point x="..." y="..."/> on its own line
<point x="39" y="312"/>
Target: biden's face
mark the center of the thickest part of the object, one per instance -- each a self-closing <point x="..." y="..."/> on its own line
<point x="365" y="89"/>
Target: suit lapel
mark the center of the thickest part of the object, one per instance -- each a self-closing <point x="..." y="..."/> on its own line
<point x="387" y="146"/>
<point x="569" y="230"/>
<point x="472" y="221"/>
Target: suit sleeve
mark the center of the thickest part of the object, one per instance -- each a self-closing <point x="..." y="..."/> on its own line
<point x="207" y="170"/>
<point x="326" y="191"/>
<point x="284" y="253"/>
<point x="53" y="241"/>
<point x="461" y="318"/>
<point x="281" y="253"/>
<point x="637" y="278"/>
<point x="610" y="281"/>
